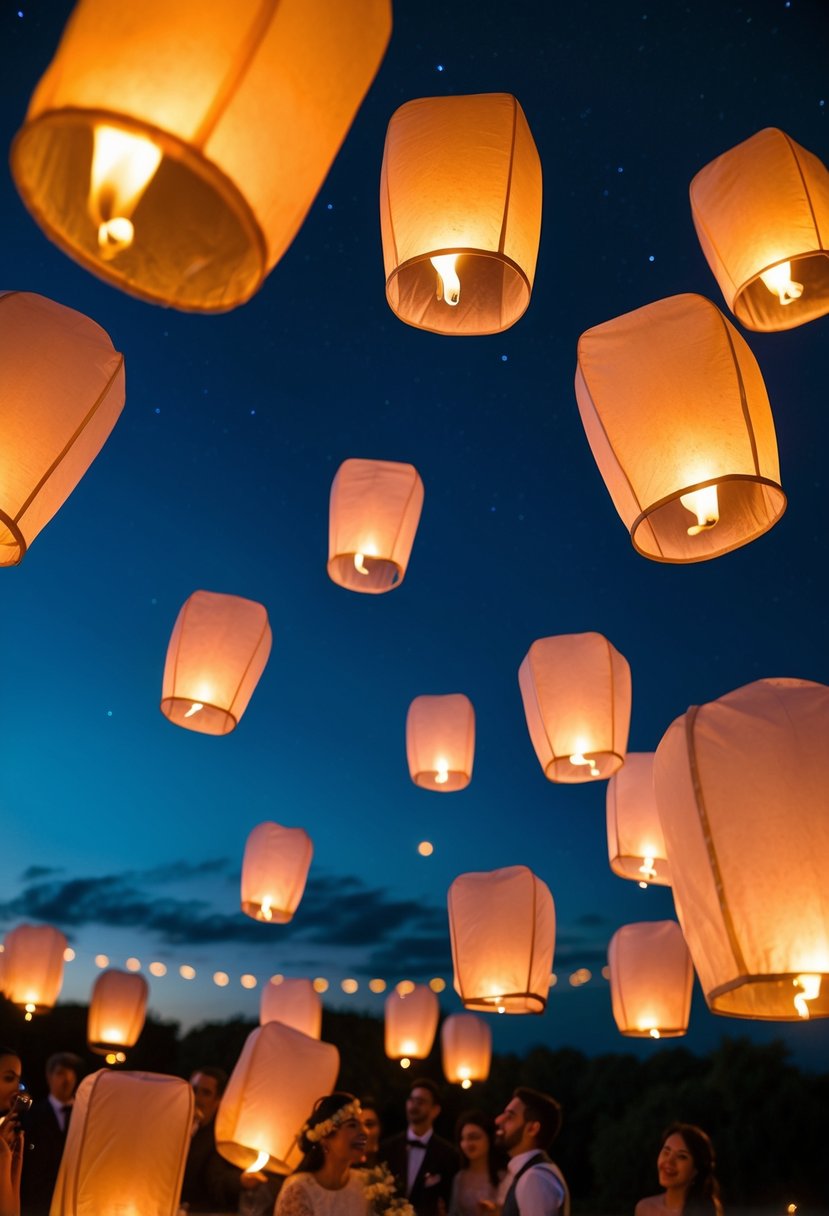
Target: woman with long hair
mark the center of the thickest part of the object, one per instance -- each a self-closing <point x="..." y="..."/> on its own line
<point x="11" y="1137"/>
<point x="477" y="1181"/>
<point x="686" y="1164"/>
<point x="326" y="1182"/>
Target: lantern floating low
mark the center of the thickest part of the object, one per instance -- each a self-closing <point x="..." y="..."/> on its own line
<point x="274" y="871"/>
<point x="294" y="1003"/>
<point x="33" y="967"/>
<point x="117" y="1010"/>
<point x="440" y="742"/>
<point x="651" y="979"/>
<point x="410" y="1023"/>
<point x="466" y="1049"/>
<point x="635" y="844"/>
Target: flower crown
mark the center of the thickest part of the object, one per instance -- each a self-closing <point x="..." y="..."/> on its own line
<point x="352" y="1110"/>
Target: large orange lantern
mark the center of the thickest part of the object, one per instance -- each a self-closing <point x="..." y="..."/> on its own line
<point x="274" y="870"/>
<point x="373" y="516"/>
<point x="651" y="978"/>
<point x="294" y="1003"/>
<point x="761" y="211"/>
<point x="126" y="1146"/>
<point x="678" y="420"/>
<point x="217" y="652"/>
<point x="460" y="213"/>
<point x="440" y="742"/>
<point x="635" y="844"/>
<point x="61" y="392"/>
<point x="466" y="1048"/>
<point x="116" y="1011"/>
<point x="34" y="966"/>
<point x="742" y="794"/>
<point x="411" y="1023"/>
<point x="503" y="929"/>
<point x="176" y="153"/>
<point x="576" y="693"/>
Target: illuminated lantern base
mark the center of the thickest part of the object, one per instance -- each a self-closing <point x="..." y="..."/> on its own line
<point x="495" y="293"/>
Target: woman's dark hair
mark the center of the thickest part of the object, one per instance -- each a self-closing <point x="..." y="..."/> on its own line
<point x="324" y="1108"/>
<point x="704" y="1192"/>
<point x="479" y="1118"/>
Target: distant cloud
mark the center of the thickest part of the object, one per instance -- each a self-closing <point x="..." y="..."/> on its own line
<point x="32" y="872"/>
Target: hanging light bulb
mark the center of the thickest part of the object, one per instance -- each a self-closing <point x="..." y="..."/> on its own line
<point x="705" y="505"/>
<point x="578" y="759"/>
<point x="123" y="165"/>
<point x="811" y="990"/>
<point x="780" y="283"/>
<point x="449" y="285"/>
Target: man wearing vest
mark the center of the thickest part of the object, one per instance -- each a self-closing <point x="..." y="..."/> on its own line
<point x="526" y="1129"/>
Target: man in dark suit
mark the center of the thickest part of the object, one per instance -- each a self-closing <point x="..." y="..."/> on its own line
<point x="422" y="1162"/>
<point x="45" y="1126"/>
<point x="211" y="1184"/>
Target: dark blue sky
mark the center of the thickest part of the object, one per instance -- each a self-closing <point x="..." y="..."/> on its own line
<point x="127" y="831"/>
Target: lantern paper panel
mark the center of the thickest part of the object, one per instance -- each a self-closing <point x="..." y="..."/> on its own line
<point x="466" y="1048"/>
<point x="126" y="1146"/>
<point x="679" y="423"/>
<point x="116" y="1010"/>
<point x="440" y="742"/>
<point x="503" y="927"/>
<point x="294" y="1003"/>
<point x="635" y="844"/>
<point x="460" y="213"/>
<point x="177" y="156"/>
<point x="277" y="1079"/>
<point x="741" y="789"/>
<point x="577" y="694"/>
<point x="61" y="393"/>
<point x="274" y="870"/>
<point x="411" y="1023"/>
<point x="761" y="211"/>
<point x="217" y="652"/>
<point x="373" y="516"/>
<point x="651" y="980"/>
<point x="34" y="966"/>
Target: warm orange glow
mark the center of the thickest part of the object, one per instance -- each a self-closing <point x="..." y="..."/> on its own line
<point x="274" y="872"/>
<point x="68" y="955"/>
<point x="349" y="986"/>
<point x="449" y="285"/>
<point x="187" y="972"/>
<point x="705" y="505"/>
<point x="117" y="1010"/>
<point x="404" y="987"/>
<point x="133" y="964"/>
<point x="373" y="515"/>
<point x="255" y="1166"/>
<point x="157" y="969"/>
<point x="651" y="977"/>
<point x="411" y="1020"/>
<point x="221" y="979"/>
<point x="440" y="742"/>
<point x="33" y="961"/>
<point x="320" y="984"/>
<point x="635" y="844"/>
<point x="248" y="981"/>
<point x="437" y="984"/>
<point x="811" y="991"/>
<point x="425" y="848"/>
<point x="294" y="1003"/>
<point x="780" y="283"/>
<point x="123" y="165"/>
<point x="377" y="985"/>
<point x="466" y="1048"/>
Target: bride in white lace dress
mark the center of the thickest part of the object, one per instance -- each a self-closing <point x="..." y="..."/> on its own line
<point x="325" y="1184"/>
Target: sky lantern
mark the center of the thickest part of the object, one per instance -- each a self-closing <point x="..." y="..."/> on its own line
<point x="741" y="788"/>
<point x="274" y="870"/>
<point x="460" y="213"/>
<point x="440" y="742"/>
<point x="33" y="966"/>
<point x="61" y="393"/>
<point x="503" y="929"/>
<point x="411" y="1023"/>
<point x="635" y="844"/>
<point x="277" y="1079"/>
<point x="679" y="422"/>
<point x="466" y="1049"/>
<point x="217" y="652"/>
<point x="116" y="1011"/>
<point x="294" y="1003"/>
<point x="126" y="1145"/>
<point x="576" y="692"/>
<point x="761" y="211"/>
<point x="176" y="156"/>
<point x="373" y="516"/>
<point x="651" y="978"/>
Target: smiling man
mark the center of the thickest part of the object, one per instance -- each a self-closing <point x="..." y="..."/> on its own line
<point x="527" y="1128"/>
<point x="423" y="1163"/>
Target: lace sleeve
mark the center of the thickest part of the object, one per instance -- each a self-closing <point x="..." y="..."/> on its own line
<point x="294" y="1199"/>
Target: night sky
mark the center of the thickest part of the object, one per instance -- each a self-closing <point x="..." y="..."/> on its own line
<point x="127" y="831"/>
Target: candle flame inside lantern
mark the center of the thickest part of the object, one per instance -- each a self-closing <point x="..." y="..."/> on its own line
<point x="811" y="990"/>
<point x="579" y="759"/>
<point x="261" y="1160"/>
<point x="123" y="165"/>
<point x="647" y="871"/>
<point x="654" y="1033"/>
<point x="705" y="505"/>
<point x="780" y="283"/>
<point x="442" y="773"/>
<point x="360" y="563"/>
<point x="449" y="285"/>
<point x="265" y="908"/>
<point x="194" y="709"/>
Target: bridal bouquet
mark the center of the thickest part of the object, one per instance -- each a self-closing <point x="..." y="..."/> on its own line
<point x="381" y="1193"/>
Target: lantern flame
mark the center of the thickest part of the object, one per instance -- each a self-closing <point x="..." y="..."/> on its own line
<point x="405" y="1062"/>
<point x="449" y="285"/>
<point x="579" y="759"/>
<point x="265" y="908"/>
<point x="123" y="165"/>
<point x="646" y="870"/>
<point x="780" y="283"/>
<point x="811" y="990"/>
<point x="194" y="709"/>
<point x="705" y="505"/>
<point x="442" y="774"/>
<point x="466" y="1083"/>
<point x="359" y="563"/>
<point x="261" y="1160"/>
<point x="654" y="1033"/>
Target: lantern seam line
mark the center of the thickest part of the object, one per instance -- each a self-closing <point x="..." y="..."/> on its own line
<point x="532" y="936"/>
<point x="615" y="985"/>
<point x="699" y="222"/>
<point x="796" y="158"/>
<point x="182" y="615"/>
<point x="415" y="482"/>
<point x="612" y="696"/>
<point x="267" y="627"/>
<point x="743" y="398"/>
<point x="391" y="221"/>
<point x="508" y="192"/>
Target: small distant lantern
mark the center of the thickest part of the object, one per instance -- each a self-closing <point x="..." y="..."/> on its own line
<point x="466" y="1046"/>
<point x="373" y="516"/>
<point x="503" y="929"/>
<point x="293" y="1003"/>
<point x="576" y="692"/>
<point x="34" y="966"/>
<point x="440" y="742"/>
<point x="411" y="1023"/>
<point x="274" y="871"/>
<point x="116" y="1011"/>
<point x="679" y="423"/>
<point x="635" y="844"/>
<point x="761" y="211"/>
<point x="651" y="978"/>
<point x="177" y="156"/>
<point x="217" y="652"/>
<point x="126" y="1145"/>
<point x="276" y="1080"/>
<point x="460" y="213"/>
<point x="61" y="393"/>
<point x="741" y="789"/>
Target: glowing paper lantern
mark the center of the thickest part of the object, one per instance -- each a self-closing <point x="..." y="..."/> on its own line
<point x="176" y="155"/>
<point x="218" y="650"/>
<point x="61" y="392"/>
<point x="503" y="930"/>
<point x="274" y="870"/>
<point x="277" y="1079"/>
<point x="34" y="966"/>
<point x="294" y="1003"/>
<point x="761" y="211"/>
<point x="373" y="516"/>
<point x="678" y="420"/>
<point x="411" y="1023"/>
<point x="460" y="213"/>
<point x="576" y="692"/>
<point x="741" y="788"/>
<point x="466" y="1047"/>
<point x="440" y="742"/>
<point x="651" y="977"/>
<point x="126" y="1145"/>
<point x="635" y="844"/>
<point x="116" y="1011"/>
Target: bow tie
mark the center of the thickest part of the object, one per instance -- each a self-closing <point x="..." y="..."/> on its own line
<point x="412" y="1143"/>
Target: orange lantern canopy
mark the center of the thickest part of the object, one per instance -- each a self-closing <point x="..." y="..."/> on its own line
<point x="741" y="789"/>
<point x="373" y="516"/>
<point x="576" y="692"/>
<point x="678" y="420"/>
<point x="466" y="1046"/>
<point x="176" y="155"/>
<point x="293" y="1003"/>
<point x="761" y="211"/>
<point x="34" y="966"/>
<point x="635" y="844"/>
<point x="440" y="742"/>
<point x="274" y="870"/>
<point x="503" y="929"/>
<point x="411" y="1023"/>
<point x="651" y="978"/>
<point x="61" y="392"/>
<point x="276" y="1080"/>
<point x="217" y="652"/>
<point x="460" y="213"/>
<point x="126" y="1145"/>
<point x="116" y="1011"/>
